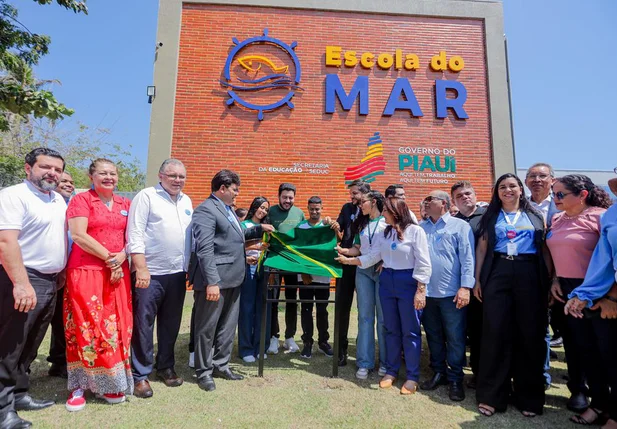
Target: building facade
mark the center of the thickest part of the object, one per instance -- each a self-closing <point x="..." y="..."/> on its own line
<point x="320" y="93"/>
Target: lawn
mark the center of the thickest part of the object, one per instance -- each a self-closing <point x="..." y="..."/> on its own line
<point x="294" y="393"/>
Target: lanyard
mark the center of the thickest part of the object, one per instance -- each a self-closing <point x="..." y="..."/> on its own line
<point x="508" y="221"/>
<point x="370" y="236"/>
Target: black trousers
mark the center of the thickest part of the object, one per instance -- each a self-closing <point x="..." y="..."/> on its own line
<point x="57" y="346"/>
<point x="306" y="313"/>
<point x="192" y="331"/>
<point x="21" y="334"/>
<point x="513" y="336"/>
<point x="345" y="287"/>
<point x="474" y="332"/>
<point x="291" y="309"/>
<point x="594" y="341"/>
<point x="162" y="301"/>
<point x="568" y="327"/>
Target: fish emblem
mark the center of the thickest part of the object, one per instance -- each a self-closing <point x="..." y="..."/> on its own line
<point x="248" y="60"/>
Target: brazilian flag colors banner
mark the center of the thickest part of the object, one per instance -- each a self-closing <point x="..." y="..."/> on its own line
<point x="305" y="251"/>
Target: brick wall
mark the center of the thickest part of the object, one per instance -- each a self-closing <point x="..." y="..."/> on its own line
<point x="208" y="135"/>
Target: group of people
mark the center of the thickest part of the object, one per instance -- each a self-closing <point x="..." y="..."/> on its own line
<point x="487" y="276"/>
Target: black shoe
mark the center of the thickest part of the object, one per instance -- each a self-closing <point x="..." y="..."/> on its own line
<point x="342" y="361"/>
<point x="28" y="403"/>
<point x="456" y="391"/>
<point x="471" y="383"/>
<point x="437" y="380"/>
<point x="56" y="370"/>
<point x="326" y="349"/>
<point x="206" y="383"/>
<point x="13" y="421"/>
<point x="578" y="403"/>
<point x="307" y="350"/>
<point x="227" y="375"/>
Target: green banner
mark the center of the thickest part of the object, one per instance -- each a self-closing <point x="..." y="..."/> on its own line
<point x="305" y="251"/>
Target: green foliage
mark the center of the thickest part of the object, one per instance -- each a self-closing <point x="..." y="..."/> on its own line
<point x="79" y="147"/>
<point x="20" y="49"/>
<point x="11" y="170"/>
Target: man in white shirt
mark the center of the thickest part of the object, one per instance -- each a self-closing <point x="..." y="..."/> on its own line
<point x="159" y="241"/>
<point x="33" y="243"/>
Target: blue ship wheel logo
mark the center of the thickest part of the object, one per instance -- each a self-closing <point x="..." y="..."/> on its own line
<point x="256" y="66"/>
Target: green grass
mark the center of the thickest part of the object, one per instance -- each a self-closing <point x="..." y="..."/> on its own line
<point x="294" y="393"/>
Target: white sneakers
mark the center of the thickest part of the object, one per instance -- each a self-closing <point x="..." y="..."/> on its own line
<point x="274" y="346"/>
<point x="192" y="360"/>
<point x="362" y="373"/>
<point x="249" y="359"/>
<point x="291" y="346"/>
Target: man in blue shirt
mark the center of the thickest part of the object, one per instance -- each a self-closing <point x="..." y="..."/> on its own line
<point x="450" y="242"/>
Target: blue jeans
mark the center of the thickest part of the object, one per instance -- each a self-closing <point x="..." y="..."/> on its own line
<point x="249" y="320"/>
<point x="367" y="287"/>
<point x="444" y="326"/>
<point x="397" y="289"/>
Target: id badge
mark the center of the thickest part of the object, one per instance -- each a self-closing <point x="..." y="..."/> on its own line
<point x="512" y="249"/>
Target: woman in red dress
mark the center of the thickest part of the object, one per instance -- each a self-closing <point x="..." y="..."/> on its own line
<point x="98" y="315"/>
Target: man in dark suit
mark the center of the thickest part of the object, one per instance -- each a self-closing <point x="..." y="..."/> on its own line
<point x="346" y="285"/>
<point x="218" y="272"/>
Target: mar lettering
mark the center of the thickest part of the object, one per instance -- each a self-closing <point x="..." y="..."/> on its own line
<point x="402" y="97"/>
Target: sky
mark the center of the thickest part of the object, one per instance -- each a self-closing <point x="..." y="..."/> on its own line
<point x="561" y="54"/>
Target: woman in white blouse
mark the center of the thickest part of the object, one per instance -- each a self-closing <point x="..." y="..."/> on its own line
<point x="406" y="270"/>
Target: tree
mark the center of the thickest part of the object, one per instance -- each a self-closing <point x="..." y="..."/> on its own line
<point x="20" y="50"/>
<point x="79" y="146"/>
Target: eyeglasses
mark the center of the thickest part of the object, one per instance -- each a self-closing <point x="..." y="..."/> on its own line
<point x="561" y="195"/>
<point x="174" y="176"/>
<point x="431" y="198"/>
<point x="538" y="176"/>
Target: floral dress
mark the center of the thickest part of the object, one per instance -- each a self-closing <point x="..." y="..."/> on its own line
<point x="98" y="317"/>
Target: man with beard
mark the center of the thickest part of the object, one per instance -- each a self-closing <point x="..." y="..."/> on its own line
<point x="284" y="217"/>
<point x="464" y="196"/>
<point x="346" y="285"/>
<point x="33" y="243"/>
<point x="57" y="346"/>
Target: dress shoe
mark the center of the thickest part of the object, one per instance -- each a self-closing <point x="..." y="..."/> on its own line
<point x="456" y="392"/>
<point x="578" y="403"/>
<point x="342" y="360"/>
<point x="12" y="421"/>
<point x="437" y="380"/>
<point x="206" y="383"/>
<point x="56" y="370"/>
<point x="169" y="377"/>
<point x="227" y="375"/>
<point x="28" y="403"/>
<point x="142" y="389"/>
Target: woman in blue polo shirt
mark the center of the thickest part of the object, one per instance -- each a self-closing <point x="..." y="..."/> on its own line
<point x="512" y="282"/>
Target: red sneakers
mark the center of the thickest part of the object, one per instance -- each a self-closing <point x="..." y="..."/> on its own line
<point x="76" y="401"/>
<point x="112" y="398"/>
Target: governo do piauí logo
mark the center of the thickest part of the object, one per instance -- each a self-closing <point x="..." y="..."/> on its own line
<point x="372" y="165"/>
<point x="259" y="78"/>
